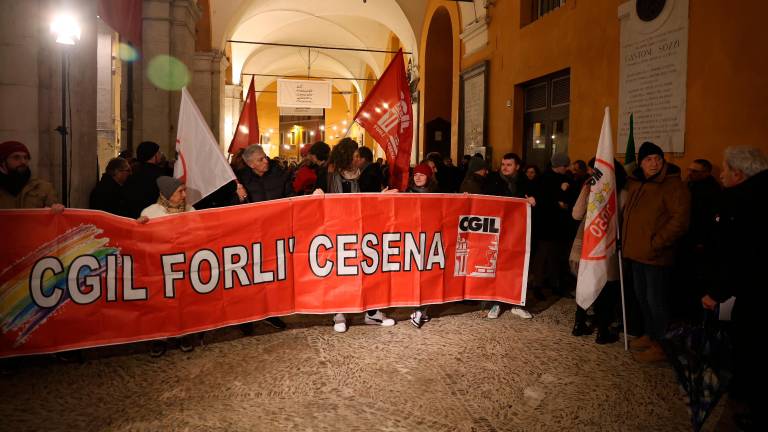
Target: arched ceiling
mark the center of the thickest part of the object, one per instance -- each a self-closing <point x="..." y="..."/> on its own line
<point x="340" y="23"/>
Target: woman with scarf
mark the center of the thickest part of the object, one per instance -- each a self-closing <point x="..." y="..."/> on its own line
<point x="172" y="200"/>
<point x="343" y="177"/>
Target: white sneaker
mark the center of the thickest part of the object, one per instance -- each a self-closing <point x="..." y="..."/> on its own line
<point x="522" y="313"/>
<point x="379" y="319"/>
<point x="339" y="323"/>
<point x="417" y="319"/>
<point x="494" y="312"/>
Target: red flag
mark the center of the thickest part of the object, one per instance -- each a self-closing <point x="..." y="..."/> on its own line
<point x="387" y="115"/>
<point x="247" y="131"/>
<point x="124" y="16"/>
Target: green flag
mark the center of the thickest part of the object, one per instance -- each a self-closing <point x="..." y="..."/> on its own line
<point x="629" y="155"/>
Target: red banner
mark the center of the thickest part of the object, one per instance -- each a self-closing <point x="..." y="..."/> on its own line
<point x="247" y="131"/>
<point x="85" y="278"/>
<point x="387" y="115"/>
<point x="124" y="16"/>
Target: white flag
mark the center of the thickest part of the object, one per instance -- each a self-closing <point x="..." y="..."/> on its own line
<point x="600" y="224"/>
<point x="201" y="164"/>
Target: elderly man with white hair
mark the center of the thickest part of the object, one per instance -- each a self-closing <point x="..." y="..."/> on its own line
<point x="263" y="180"/>
<point x="741" y="241"/>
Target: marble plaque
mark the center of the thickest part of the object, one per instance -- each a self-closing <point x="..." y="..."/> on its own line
<point x="473" y="108"/>
<point x="652" y="77"/>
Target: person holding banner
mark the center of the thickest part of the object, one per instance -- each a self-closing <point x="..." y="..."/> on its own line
<point x="422" y="181"/>
<point x="509" y="182"/>
<point x="344" y="179"/>
<point x="18" y="189"/>
<point x="172" y="200"/>
<point x="263" y="179"/>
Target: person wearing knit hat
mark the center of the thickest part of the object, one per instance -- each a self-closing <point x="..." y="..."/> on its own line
<point x="147" y="151"/>
<point x="422" y="179"/>
<point x="172" y="199"/>
<point x="554" y="229"/>
<point x="18" y="189"/>
<point x="475" y="180"/>
<point x="647" y="149"/>
<point x="656" y="216"/>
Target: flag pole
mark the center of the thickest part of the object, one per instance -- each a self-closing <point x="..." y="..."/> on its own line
<point x="621" y="280"/>
<point x="621" y="266"/>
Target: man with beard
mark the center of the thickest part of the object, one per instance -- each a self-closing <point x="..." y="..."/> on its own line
<point x="18" y="189"/>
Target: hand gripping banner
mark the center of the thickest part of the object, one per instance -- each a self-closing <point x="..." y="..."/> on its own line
<point x="86" y="278"/>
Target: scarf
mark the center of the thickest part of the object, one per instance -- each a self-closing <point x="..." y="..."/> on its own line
<point x="170" y="208"/>
<point x="345" y="182"/>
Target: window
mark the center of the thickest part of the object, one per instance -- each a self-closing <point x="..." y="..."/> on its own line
<point x="531" y="10"/>
<point x="543" y="7"/>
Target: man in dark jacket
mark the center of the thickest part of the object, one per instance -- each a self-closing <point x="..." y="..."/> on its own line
<point x="141" y="188"/>
<point x="508" y="182"/>
<point x="655" y="218"/>
<point x="552" y="229"/>
<point x="109" y="195"/>
<point x="263" y="178"/>
<point x="476" y="178"/>
<point x="740" y="255"/>
<point x="691" y="274"/>
<point x="370" y="179"/>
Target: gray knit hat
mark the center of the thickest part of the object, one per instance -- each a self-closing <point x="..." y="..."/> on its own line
<point x="560" y="160"/>
<point x="168" y="185"/>
<point x="476" y="164"/>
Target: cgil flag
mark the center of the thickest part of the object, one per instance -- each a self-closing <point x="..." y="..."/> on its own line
<point x="200" y="165"/>
<point x="387" y="115"/>
<point x="599" y="245"/>
<point x="247" y="131"/>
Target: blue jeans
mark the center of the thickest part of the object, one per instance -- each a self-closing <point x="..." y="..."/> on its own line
<point x="651" y="285"/>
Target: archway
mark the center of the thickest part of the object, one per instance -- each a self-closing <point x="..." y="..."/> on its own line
<point x="438" y="84"/>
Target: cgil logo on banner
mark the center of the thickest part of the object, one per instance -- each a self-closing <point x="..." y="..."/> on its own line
<point x="477" y="246"/>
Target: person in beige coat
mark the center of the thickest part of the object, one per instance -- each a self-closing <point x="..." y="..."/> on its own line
<point x="656" y="216"/>
<point x="18" y="189"/>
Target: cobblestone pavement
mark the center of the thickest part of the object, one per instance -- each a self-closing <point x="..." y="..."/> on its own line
<point x="460" y="372"/>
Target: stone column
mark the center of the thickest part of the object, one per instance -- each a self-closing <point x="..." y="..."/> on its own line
<point x="207" y="88"/>
<point x="168" y="29"/>
<point x="30" y="92"/>
<point x="233" y="103"/>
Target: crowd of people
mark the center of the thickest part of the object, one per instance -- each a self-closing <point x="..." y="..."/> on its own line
<point x="688" y="241"/>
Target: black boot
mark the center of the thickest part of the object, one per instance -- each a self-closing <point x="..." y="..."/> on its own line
<point x="605" y="336"/>
<point x="580" y="327"/>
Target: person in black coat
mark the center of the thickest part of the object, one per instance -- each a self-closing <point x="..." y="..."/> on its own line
<point x="141" y="188"/>
<point x="370" y="179"/>
<point x="263" y="179"/>
<point x="738" y="262"/>
<point x="553" y="229"/>
<point x="109" y="195"/>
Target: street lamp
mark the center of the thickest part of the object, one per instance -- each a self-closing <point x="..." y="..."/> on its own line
<point x="67" y="30"/>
